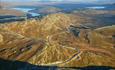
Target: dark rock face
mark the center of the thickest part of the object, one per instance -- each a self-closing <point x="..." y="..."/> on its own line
<point x="75" y="31"/>
<point x="113" y="36"/>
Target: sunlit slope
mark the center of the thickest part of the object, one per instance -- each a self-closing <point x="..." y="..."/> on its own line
<point x="12" y="12"/>
<point x="59" y="40"/>
<point x="14" y="46"/>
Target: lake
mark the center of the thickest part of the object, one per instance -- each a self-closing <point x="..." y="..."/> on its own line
<point x="11" y="18"/>
<point x="27" y="10"/>
<point x="67" y="8"/>
<point x="96" y="7"/>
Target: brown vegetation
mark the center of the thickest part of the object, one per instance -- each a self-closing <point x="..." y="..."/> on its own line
<point x="11" y="12"/>
<point x="50" y="41"/>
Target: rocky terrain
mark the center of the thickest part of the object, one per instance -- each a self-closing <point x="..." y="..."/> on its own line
<point x="60" y="40"/>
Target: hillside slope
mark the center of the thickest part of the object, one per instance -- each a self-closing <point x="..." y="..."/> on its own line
<point x="57" y="40"/>
<point x="11" y="12"/>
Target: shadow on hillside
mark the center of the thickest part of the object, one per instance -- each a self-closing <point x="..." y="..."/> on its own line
<point x="91" y="68"/>
<point x="18" y="65"/>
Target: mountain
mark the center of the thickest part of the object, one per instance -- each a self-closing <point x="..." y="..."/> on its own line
<point x="58" y="40"/>
<point x="113" y="3"/>
<point x="11" y="12"/>
<point x="47" y="10"/>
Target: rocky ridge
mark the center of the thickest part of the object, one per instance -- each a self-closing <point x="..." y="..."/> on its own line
<point x="57" y="40"/>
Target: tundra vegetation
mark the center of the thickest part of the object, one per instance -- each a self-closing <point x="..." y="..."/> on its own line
<point x="60" y="40"/>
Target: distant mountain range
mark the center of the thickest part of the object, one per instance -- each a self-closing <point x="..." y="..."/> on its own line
<point x="63" y="1"/>
<point x="113" y="3"/>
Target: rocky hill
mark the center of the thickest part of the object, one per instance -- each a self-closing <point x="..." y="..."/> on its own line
<point x="58" y="40"/>
<point x="11" y="12"/>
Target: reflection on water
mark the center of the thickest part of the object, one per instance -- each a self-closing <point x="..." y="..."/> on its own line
<point x="34" y="14"/>
<point x="97" y="7"/>
<point x="23" y="9"/>
<point x="11" y="18"/>
<point x="26" y="10"/>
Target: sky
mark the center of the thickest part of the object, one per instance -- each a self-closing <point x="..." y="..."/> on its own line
<point x="79" y="1"/>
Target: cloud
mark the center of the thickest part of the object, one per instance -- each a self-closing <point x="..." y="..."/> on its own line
<point x="83" y="1"/>
<point x="68" y="0"/>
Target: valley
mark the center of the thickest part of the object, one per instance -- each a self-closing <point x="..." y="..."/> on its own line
<point x="57" y="36"/>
